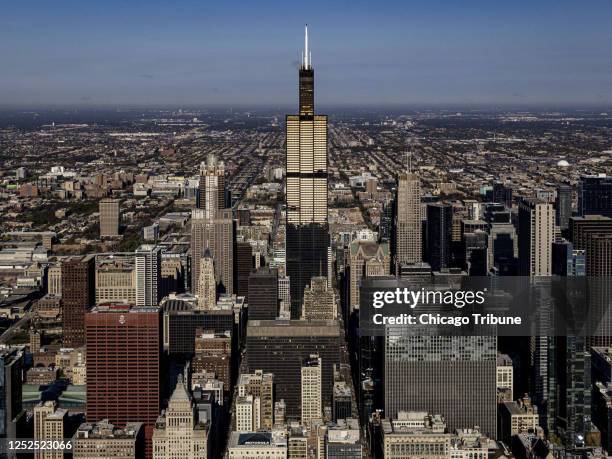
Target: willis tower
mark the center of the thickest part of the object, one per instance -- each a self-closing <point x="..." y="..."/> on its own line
<point x="307" y="237"/>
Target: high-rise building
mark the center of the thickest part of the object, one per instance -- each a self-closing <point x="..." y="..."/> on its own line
<point x="54" y="279"/>
<point x="263" y="294"/>
<point x="312" y="407"/>
<point x="148" y="275"/>
<point x="536" y="235"/>
<point x="102" y="440"/>
<point x="279" y="347"/>
<point x="178" y="434"/>
<point x="213" y="354"/>
<point x="599" y="254"/>
<point x="211" y="193"/>
<point x="502" y="193"/>
<point x="124" y="348"/>
<point x="109" y="217"/>
<point x="367" y="258"/>
<point x="215" y="233"/>
<point x="244" y="266"/>
<point x="439" y="235"/>
<point x="566" y="261"/>
<point x="260" y="386"/>
<point x="49" y="424"/>
<point x="452" y="375"/>
<point x="78" y="295"/>
<point x="206" y="290"/>
<point x="307" y="228"/>
<point x="408" y="216"/>
<point x="247" y="413"/>
<point x="595" y="195"/>
<point x="319" y="301"/>
<point x="115" y="280"/>
<point x="11" y="369"/>
<point x="563" y="206"/>
<point x="581" y="227"/>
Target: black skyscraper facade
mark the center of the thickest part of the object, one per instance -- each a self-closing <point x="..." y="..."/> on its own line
<point x="563" y="206"/>
<point x="439" y="235"/>
<point x="595" y="196"/>
<point x="243" y="268"/>
<point x="263" y="294"/>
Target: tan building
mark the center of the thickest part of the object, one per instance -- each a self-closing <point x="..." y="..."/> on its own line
<point x="213" y="352"/>
<point x="54" y="279"/>
<point x="408" y="219"/>
<point x="103" y="441"/>
<point x="49" y="423"/>
<point x="247" y="413"/>
<point x="215" y="234"/>
<point x="504" y="378"/>
<point x="257" y="445"/>
<point x="178" y="434"/>
<point x="260" y="385"/>
<point x="207" y="284"/>
<point x="415" y="435"/>
<point x="536" y="235"/>
<point x="109" y="217"/>
<point x="517" y="417"/>
<point x="319" y="301"/>
<point x="115" y="280"/>
<point x="312" y="404"/>
<point x="366" y="258"/>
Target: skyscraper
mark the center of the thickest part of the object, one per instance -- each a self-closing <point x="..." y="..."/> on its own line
<point x="263" y="294"/>
<point x="78" y="295"/>
<point x="148" y="275"/>
<point x="536" y="235"/>
<point x="124" y="347"/>
<point x="408" y="243"/>
<point x="563" y="206"/>
<point x="109" y="217"/>
<point x="206" y="289"/>
<point x="244" y="265"/>
<point x="307" y="230"/>
<point x="439" y="235"/>
<point x="595" y="195"/>
<point x="312" y="407"/>
<point x="211" y="191"/>
<point x="215" y="233"/>
<point x="11" y="368"/>
<point x="367" y="258"/>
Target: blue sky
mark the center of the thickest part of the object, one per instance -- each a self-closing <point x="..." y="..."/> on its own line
<point x="364" y="53"/>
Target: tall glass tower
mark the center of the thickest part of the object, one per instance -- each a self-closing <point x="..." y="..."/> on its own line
<point x="307" y="238"/>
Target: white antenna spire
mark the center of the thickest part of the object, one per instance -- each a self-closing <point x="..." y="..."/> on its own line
<point x="306" y="54"/>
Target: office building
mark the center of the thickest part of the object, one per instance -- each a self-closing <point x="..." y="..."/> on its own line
<point x="536" y="235"/>
<point x="278" y="347"/>
<point x="244" y="266"/>
<point x="415" y="434"/>
<point x="307" y="230"/>
<point x="49" y="424"/>
<point x="148" y="275"/>
<point x="582" y="227"/>
<point x="595" y="195"/>
<point x="408" y="216"/>
<point x="504" y="379"/>
<point x="566" y="261"/>
<point x="103" y="440"/>
<point x="319" y="301"/>
<point x="211" y="191"/>
<point x="115" y="280"/>
<point x="109" y="218"/>
<point x="475" y="253"/>
<point x="439" y="235"/>
<point x="213" y="354"/>
<point x="312" y="408"/>
<point x="54" y="279"/>
<point x="123" y="366"/>
<point x="11" y="369"/>
<point x="78" y="295"/>
<point x="517" y="417"/>
<point x="178" y="434"/>
<point x="215" y="233"/>
<point x="563" y="206"/>
<point x="342" y="440"/>
<point x="206" y="290"/>
<point x="257" y="445"/>
<point x="263" y="294"/>
<point x="442" y="373"/>
<point x="247" y="413"/>
<point x="502" y="193"/>
<point x="367" y="258"/>
<point x="599" y="254"/>
<point x="260" y="386"/>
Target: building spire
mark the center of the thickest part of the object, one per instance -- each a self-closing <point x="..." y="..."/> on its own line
<point x="306" y="55"/>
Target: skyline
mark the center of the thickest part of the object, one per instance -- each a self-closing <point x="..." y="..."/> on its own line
<point x="552" y="53"/>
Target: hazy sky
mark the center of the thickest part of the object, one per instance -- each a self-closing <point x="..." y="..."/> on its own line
<point x="247" y="52"/>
